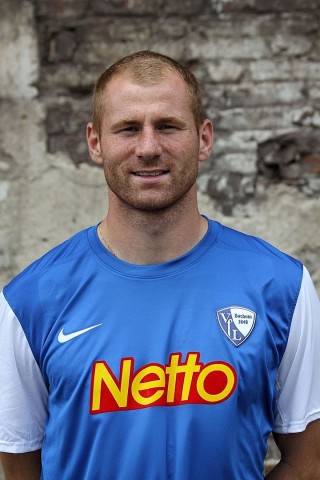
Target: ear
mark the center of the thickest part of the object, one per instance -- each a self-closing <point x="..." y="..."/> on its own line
<point x="206" y="138"/>
<point x="94" y="146"/>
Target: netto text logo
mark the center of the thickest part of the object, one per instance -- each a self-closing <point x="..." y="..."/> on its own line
<point x="175" y="383"/>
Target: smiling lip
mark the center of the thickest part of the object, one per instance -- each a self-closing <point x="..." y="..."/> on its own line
<point x="150" y="177"/>
<point x="150" y="173"/>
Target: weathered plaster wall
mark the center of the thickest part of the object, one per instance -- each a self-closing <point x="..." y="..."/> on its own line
<point x="258" y="61"/>
<point x="43" y="197"/>
<point x="259" y="65"/>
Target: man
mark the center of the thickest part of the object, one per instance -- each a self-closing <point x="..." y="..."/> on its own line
<point x="160" y="344"/>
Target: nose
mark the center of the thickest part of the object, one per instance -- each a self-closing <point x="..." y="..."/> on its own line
<point x="148" y="146"/>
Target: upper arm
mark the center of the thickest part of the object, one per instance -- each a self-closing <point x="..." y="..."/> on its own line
<point x="23" y="393"/>
<point x="298" y="379"/>
<point x="21" y="466"/>
<point x="297" y="422"/>
<point x="301" y="451"/>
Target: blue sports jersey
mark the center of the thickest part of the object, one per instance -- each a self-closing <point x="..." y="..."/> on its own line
<point x="163" y="371"/>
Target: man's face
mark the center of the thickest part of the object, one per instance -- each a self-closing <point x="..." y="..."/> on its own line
<point x="149" y="146"/>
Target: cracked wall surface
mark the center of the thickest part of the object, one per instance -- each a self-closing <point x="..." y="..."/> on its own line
<point x="258" y="62"/>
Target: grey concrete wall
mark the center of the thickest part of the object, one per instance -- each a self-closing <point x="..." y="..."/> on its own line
<point x="258" y="61"/>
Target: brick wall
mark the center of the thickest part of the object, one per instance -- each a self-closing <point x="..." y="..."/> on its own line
<point x="258" y="62"/>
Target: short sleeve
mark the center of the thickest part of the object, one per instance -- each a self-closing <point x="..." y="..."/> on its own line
<point x="23" y="393"/>
<point x="298" y="380"/>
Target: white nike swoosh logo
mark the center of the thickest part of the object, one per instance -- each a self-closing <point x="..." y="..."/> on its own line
<point x="65" y="337"/>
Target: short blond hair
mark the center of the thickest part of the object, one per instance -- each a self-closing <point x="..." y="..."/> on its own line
<point x="146" y="67"/>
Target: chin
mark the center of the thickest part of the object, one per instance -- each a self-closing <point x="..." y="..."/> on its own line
<point x="157" y="206"/>
<point x="154" y="201"/>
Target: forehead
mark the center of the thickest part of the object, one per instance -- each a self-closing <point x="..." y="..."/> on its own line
<point x="170" y="92"/>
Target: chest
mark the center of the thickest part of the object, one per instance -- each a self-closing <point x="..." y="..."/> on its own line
<point x="130" y="345"/>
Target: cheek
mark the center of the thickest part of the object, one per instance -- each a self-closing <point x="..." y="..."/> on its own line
<point x="115" y="151"/>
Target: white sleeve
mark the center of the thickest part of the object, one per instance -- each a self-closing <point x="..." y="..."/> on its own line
<point x="23" y="393"/>
<point x="298" y="381"/>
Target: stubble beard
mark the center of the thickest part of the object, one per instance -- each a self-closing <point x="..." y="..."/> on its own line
<point x="153" y="200"/>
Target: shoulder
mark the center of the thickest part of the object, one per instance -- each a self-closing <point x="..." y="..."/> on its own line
<point x="258" y="251"/>
<point x="53" y="264"/>
<point x="273" y="276"/>
<point x="248" y="244"/>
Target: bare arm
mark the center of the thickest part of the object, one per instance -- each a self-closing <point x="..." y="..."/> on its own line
<point x="300" y="455"/>
<point x="21" y="466"/>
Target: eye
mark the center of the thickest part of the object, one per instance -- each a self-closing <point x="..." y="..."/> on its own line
<point x="130" y="129"/>
<point x="167" y="126"/>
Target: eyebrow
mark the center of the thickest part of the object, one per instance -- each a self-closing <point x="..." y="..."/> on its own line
<point x="171" y="119"/>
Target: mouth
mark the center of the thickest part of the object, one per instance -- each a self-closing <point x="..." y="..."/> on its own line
<point x="150" y="173"/>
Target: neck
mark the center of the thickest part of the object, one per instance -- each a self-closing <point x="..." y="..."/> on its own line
<point x="145" y="238"/>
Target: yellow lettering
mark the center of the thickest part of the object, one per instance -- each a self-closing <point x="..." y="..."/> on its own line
<point x="102" y="374"/>
<point x="216" y="397"/>
<point x="189" y="368"/>
<point x="138" y="385"/>
<point x="172" y="370"/>
<point x="155" y="384"/>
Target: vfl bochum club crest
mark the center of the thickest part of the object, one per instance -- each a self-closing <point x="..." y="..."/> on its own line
<point x="236" y="323"/>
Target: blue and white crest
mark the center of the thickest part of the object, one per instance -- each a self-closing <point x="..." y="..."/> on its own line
<point x="236" y="323"/>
